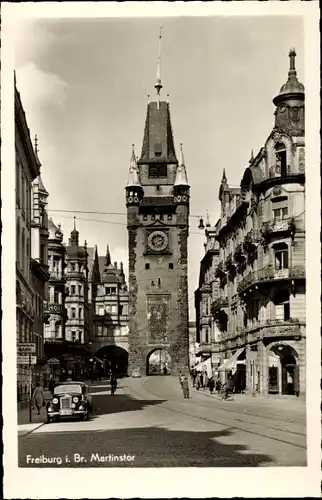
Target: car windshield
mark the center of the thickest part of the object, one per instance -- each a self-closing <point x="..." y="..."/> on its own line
<point x="62" y="389"/>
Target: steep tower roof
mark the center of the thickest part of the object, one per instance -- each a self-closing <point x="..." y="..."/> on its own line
<point x="181" y="174"/>
<point x="158" y="144"/>
<point x="74" y="236"/>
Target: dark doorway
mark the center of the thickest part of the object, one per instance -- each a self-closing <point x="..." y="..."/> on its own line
<point x="114" y="359"/>
<point x="158" y="363"/>
<point x="289" y="373"/>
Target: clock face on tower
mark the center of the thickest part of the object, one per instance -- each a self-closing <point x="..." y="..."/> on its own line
<point x="157" y="241"/>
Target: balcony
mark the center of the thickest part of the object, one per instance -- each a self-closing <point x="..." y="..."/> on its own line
<point x="251" y="240"/>
<point x="275" y="328"/>
<point x="205" y="321"/>
<point x="220" y="271"/>
<point x="278" y="226"/>
<point x="75" y="274"/>
<point x="219" y="303"/>
<point x="268" y="273"/>
<point x="56" y="276"/>
<point x="205" y="348"/>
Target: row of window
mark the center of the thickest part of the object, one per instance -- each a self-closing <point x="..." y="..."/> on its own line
<point x="110" y="309"/>
<point x="22" y="249"/>
<point x="153" y="217"/>
<point x="104" y="331"/>
<point x="23" y="191"/>
<point x="147" y="265"/>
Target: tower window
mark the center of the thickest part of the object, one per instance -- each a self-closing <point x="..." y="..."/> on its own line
<point x="73" y="290"/>
<point x="73" y="311"/>
<point x="147" y="265"/>
<point x="145" y="217"/>
<point x="72" y="266"/>
<point x="158" y="187"/>
<point x="152" y="283"/>
<point x="158" y="171"/>
<point x="281" y="158"/>
<point x="73" y="336"/>
<point x="170" y="265"/>
<point x="159" y="281"/>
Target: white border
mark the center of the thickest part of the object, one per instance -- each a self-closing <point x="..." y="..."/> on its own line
<point x="177" y="482"/>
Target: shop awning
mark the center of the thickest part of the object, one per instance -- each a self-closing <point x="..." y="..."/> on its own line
<point x="204" y="366"/>
<point x="230" y="363"/>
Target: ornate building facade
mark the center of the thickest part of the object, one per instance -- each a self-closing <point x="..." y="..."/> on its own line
<point x="39" y="268"/>
<point x="258" y="286"/>
<point x="27" y="170"/>
<point x="108" y="297"/>
<point x="157" y="201"/>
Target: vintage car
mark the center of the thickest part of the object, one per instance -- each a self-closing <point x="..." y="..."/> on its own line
<point x="70" y="399"/>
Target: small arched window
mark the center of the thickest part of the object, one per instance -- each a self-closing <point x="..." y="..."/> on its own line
<point x="281" y="159"/>
<point x="159" y="282"/>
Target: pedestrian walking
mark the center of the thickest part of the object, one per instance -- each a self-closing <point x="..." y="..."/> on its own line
<point x="180" y="379"/>
<point x="51" y="384"/>
<point x="185" y="388"/>
<point x="198" y="382"/>
<point x="113" y="384"/>
<point x="38" y="397"/>
<point x="211" y="385"/>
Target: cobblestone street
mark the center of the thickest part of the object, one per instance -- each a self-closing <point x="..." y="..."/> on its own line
<point x="149" y="424"/>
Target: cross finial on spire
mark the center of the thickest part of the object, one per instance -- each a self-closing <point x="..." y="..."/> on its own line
<point x="251" y="156"/>
<point x="158" y="84"/>
<point x="181" y="158"/>
<point x="224" y="178"/>
<point x="36" y="144"/>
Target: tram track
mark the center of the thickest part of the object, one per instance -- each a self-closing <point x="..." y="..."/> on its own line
<point x="243" y="428"/>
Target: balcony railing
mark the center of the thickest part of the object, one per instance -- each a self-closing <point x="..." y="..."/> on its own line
<point x="205" y="347"/>
<point x="269" y="273"/>
<point x="56" y="275"/>
<point x="272" y="227"/>
<point x="252" y="238"/>
<point x="219" y="303"/>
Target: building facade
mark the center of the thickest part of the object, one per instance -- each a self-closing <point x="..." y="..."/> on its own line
<point x="258" y="285"/>
<point x="27" y="170"/>
<point x="109" y="312"/>
<point x="157" y="201"/>
<point x="54" y="339"/>
<point x="39" y="269"/>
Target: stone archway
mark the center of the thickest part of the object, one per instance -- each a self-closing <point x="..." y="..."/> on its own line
<point x="283" y="369"/>
<point x="109" y="359"/>
<point x="158" y="362"/>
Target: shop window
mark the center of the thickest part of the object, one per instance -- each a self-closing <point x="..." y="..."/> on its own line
<point x="281" y="256"/>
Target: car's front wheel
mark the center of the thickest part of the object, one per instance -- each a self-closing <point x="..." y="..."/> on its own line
<point x="48" y="419"/>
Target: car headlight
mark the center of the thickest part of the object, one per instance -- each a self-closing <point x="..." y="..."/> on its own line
<point x="75" y="399"/>
<point x="73" y="405"/>
<point x="55" y="401"/>
<point x="81" y="407"/>
<point x="49" y="409"/>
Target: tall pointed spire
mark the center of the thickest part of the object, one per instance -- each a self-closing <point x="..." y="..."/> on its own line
<point x="181" y="174"/>
<point x="134" y="171"/>
<point x="158" y="84"/>
<point x="107" y="257"/>
<point x="224" y="178"/>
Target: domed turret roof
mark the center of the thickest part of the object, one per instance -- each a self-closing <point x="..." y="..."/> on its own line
<point x="292" y="86"/>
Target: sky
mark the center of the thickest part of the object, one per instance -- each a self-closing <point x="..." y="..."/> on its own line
<point x="84" y="85"/>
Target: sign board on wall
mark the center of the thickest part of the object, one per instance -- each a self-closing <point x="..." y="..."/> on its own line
<point x="26" y="348"/>
<point x="24" y="360"/>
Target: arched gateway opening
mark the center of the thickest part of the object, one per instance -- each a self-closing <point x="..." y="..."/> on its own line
<point x="283" y="370"/>
<point x="158" y="362"/>
<point x="112" y="359"/>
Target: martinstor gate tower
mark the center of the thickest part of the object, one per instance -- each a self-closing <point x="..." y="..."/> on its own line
<point x="157" y="201"/>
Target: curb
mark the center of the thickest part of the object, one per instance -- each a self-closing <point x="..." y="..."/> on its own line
<point x="22" y="433"/>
